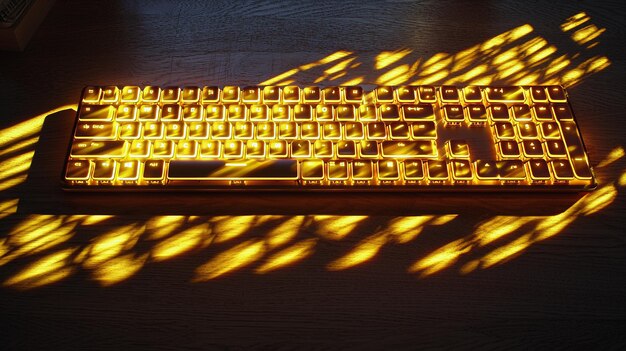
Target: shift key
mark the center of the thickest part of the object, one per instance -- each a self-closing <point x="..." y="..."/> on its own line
<point x="99" y="149"/>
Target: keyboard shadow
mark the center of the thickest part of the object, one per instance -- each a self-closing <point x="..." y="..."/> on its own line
<point x="42" y="194"/>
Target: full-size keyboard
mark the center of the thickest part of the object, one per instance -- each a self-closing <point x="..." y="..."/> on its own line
<point x="408" y="138"/>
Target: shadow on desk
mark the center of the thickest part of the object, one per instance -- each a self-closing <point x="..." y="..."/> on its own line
<point x="42" y="194"/>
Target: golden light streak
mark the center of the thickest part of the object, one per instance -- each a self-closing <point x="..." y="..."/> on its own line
<point x="162" y="226"/>
<point x="230" y="260"/>
<point x="364" y="251"/>
<point x="441" y="258"/>
<point x="118" y="269"/>
<point x="587" y="34"/>
<point x="24" y="144"/>
<point x="506" y="252"/>
<point x="180" y="243"/>
<point x="622" y="179"/>
<point x="94" y="219"/>
<point x="284" y="232"/>
<point x="354" y="81"/>
<point x="386" y="58"/>
<point x="405" y="229"/>
<point x="598" y="200"/>
<point x="8" y="207"/>
<point x="395" y="76"/>
<point x="29" y="127"/>
<point x="575" y="21"/>
<point x="498" y="227"/>
<point x="47" y="270"/>
<point x="280" y="77"/>
<point x="111" y="244"/>
<point x="337" y="227"/>
<point x="288" y="256"/>
<point x="613" y="156"/>
<point x="230" y="227"/>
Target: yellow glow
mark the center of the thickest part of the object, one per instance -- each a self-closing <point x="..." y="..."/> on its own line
<point x="95" y="219"/>
<point x="44" y="271"/>
<point x="558" y="65"/>
<point x="587" y="34"/>
<point x="395" y="76"/>
<point x="364" y="251"/>
<point x="613" y="156"/>
<point x="436" y="63"/>
<point x="498" y="227"/>
<point x="354" y="81"/>
<point x="24" y="144"/>
<point x="280" y="77"/>
<point x="230" y="260"/>
<point x="574" y="21"/>
<point x="337" y="227"/>
<point x="506" y="252"/>
<point x="405" y="229"/>
<point x="284" y="232"/>
<point x="288" y="256"/>
<point x="162" y="226"/>
<point x="534" y="45"/>
<point x="437" y="77"/>
<point x="180" y="243"/>
<point x="29" y="127"/>
<point x="228" y="227"/>
<point x="387" y="58"/>
<point x="339" y="66"/>
<point x="39" y="240"/>
<point x="598" y="200"/>
<point x="118" y="269"/>
<point x="111" y="244"/>
<point x="335" y="56"/>
<point x="8" y="207"/>
<point x="440" y="258"/>
<point x="622" y="179"/>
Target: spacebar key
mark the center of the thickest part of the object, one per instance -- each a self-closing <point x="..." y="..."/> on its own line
<point x="274" y="170"/>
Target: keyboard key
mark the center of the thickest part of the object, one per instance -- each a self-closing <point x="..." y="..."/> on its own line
<point x="556" y="148"/>
<point x="96" y="130"/>
<point x="367" y="113"/>
<point x="287" y="130"/>
<point x="214" y="113"/>
<point x="472" y="94"/>
<point x="301" y="149"/>
<point x="266" y="130"/>
<point x="324" y="149"/>
<point x="259" y="113"/>
<point x="271" y="94"/>
<point x="191" y="94"/>
<point x="332" y="130"/>
<point x="458" y="148"/>
<point x="278" y="148"/>
<point x="354" y="94"/>
<point x="486" y="169"/>
<point x="77" y="170"/>
<point x="354" y="130"/>
<point x="399" y="130"/>
<point x="477" y="113"/>
<point x="281" y="113"/>
<point x="91" y="94"/>
<point x="186" y="149"/>
<point x="210" y="149"/>
<point x="556" y="93"/>
<point x="128" y="170"/>
<point x="521" y="112"/>
<point x="575" y="149"/>
<point x="230" y="94"/>
<point x="532" y="148"/>
<point x="291" y="94"/>
<point x="220" y="130"/>
<point x="324" y="113"/>
<point x="409" y="149"/>
<point x="337" y="170"/>
<point x="140" y="148"/>
<point x="170" y="112"/>
<point x="130" y="94"/>
<point x="243" y="130"/>
<point x="149" y="112"/>
<point x="376" y="130"/>
<point x="461" y="170"/>
<point x="384" y="94"/>
<point x="126" y="113"/>
<point x="562" y="112"/>
<point x="538" y="94"/>
<point x="346" y="148"/>
<point x="249" y="170"/>
<point x="362" y="170"/>
<point x="131" y="130"/>
<point x="437" y="170"/>
<point x="413" y="170"/>
<point x="368" y="149"/>
<point x="331" y="95"/>
<point x="527" y="130"/>
<point x="550" y="130"/>
<point x="499" y="112"/>
<point x="505" y="94"/>
<point x="302" y="113"/>
<point x="312" y="94"/>
<point x="310" y="130"/>
<point x="170" y="94"/>
<point x="562" y="169"/>
<point x="424" y="130"/>
<point x="103" y="170"/>
<point x="539" y="170"/>
<point x="388" y="170"/>
<point x="345" y="113"/>
<point x="453" y="114"/>
<point x="237" y="112"/>
<point x="449" y="94"/>
<point x="418" y="112"/>
<point x="151" y="94"/>
<point x="96" y="113"/>
<point x="255" y="149"/>
<point x="508" y="148"/>
<point x="210" y="95"/>
<point x="163" y="149"/>
<point x="153" y="130"/>
<point x="153" y="170"/>
<point x="427" y="93"/>
<point x="406" y="94"/>
<point x="233" y="149"/>
<point x="192" y="113"/>
<point x="312" y="170"/>
<point x="110" y="94"/>
<point x="389" y="112"/>
<point x="198" y="130"/>
<point x="542" y="112"/>
<point x="511" y="170"/>
<point x="251" y="95"/>
<point x="504" y="130"/>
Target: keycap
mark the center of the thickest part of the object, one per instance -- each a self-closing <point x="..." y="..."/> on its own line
<point x="427" y="93"/>
<point x="303" y="113"/>
<point x="130" y="94"/>
<point x="323" y="148"/>
<point x="505" y="94"/>
<point x="77" y="170"/>
<point x="511" y="170"/>
<point x="96" y="130"/>
<point x="409" y="149"/>
<point x="337" y="170"/>
<point x="539" y="170"/>
<point x="527" y="130"/>
<point x="384" y="94"/>
<point x="153" y="170"/>
<point x="331" y="94"/>
<point x="110" y="94"/>
<point x="538" y="94"/>
<point x="413" y="169"/>
<point x="406" y="94"/>
<point x="368" y="148"/>
<point x="312" y="94"/>
<point x="170" y="94"/>
<point x="96" y="113"/>
<point x="424" y="130"/>
<point x="486" y="169"/>
<point x="103" y="170"/>
<point x="521" y="112"/>
<point x="291" y="93"/>
<point x="458" y="148"/>
<point x="575" y="149"/>
<point x="251" y="94"/>
<point x="389" y="112"/>
<point x="472" y="94"/>
<point x="210" y="94"/>
<point x="508" y="148"/>
<point x="562" y="169"/>
<point x="418" y="112"/>
<point x="499" y="112"/>
<point x="346" y="148"/>
<point x="151" y="94"/>
<point x="91" y="94"/>
<point x="556" y="93"/>
<point x="388" y="170"/>
<point x="345" y="113"/>
<point x="449" y="94"/>
<point x="461" y="170"/>
<point x="399" y="130"/>
<point x="126" y="113"/>
<point x="353" y="94"/>
<point x="453" y="113"/>
<point x="542" y="112"/>
<point x="476" y="113"/>
<point x="362" y="170"/>
<point x="271" y="94"/>
<point x="562" y="112"/>
<point x="230" y="94"/>
<point x="437" y="170"/>
<point x="532" y="148"/>
<point x="504" y="130"/>
<point x="191" y="94"/>
<point x="312" y="169"/>
<point x="550" y="130"/>
<point x="354" y="130"/>
<point x="556" y="148"/>
<point x="301" y="148"/>
<point x="128" y="170"/>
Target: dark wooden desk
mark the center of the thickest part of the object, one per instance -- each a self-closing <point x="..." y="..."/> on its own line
<point x="356" y="271"/>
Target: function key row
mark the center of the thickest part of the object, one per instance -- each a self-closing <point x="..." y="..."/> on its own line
<point x="315" y="94"/>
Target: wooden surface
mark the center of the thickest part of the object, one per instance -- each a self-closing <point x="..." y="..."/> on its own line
<point x="350" y="271"/>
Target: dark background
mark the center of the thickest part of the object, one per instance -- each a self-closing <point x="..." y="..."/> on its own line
<point x="185" y="271"/>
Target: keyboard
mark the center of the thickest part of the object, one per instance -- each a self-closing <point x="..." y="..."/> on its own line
<point x="406" y="138"/>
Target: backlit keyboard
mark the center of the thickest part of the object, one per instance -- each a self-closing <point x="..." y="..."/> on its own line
<point x="408" y="138"/>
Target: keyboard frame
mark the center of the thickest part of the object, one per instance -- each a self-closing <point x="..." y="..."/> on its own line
<point x="227" y="185"/>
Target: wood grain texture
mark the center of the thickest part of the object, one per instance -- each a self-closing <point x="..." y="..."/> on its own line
<point x="362" y="271"/>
